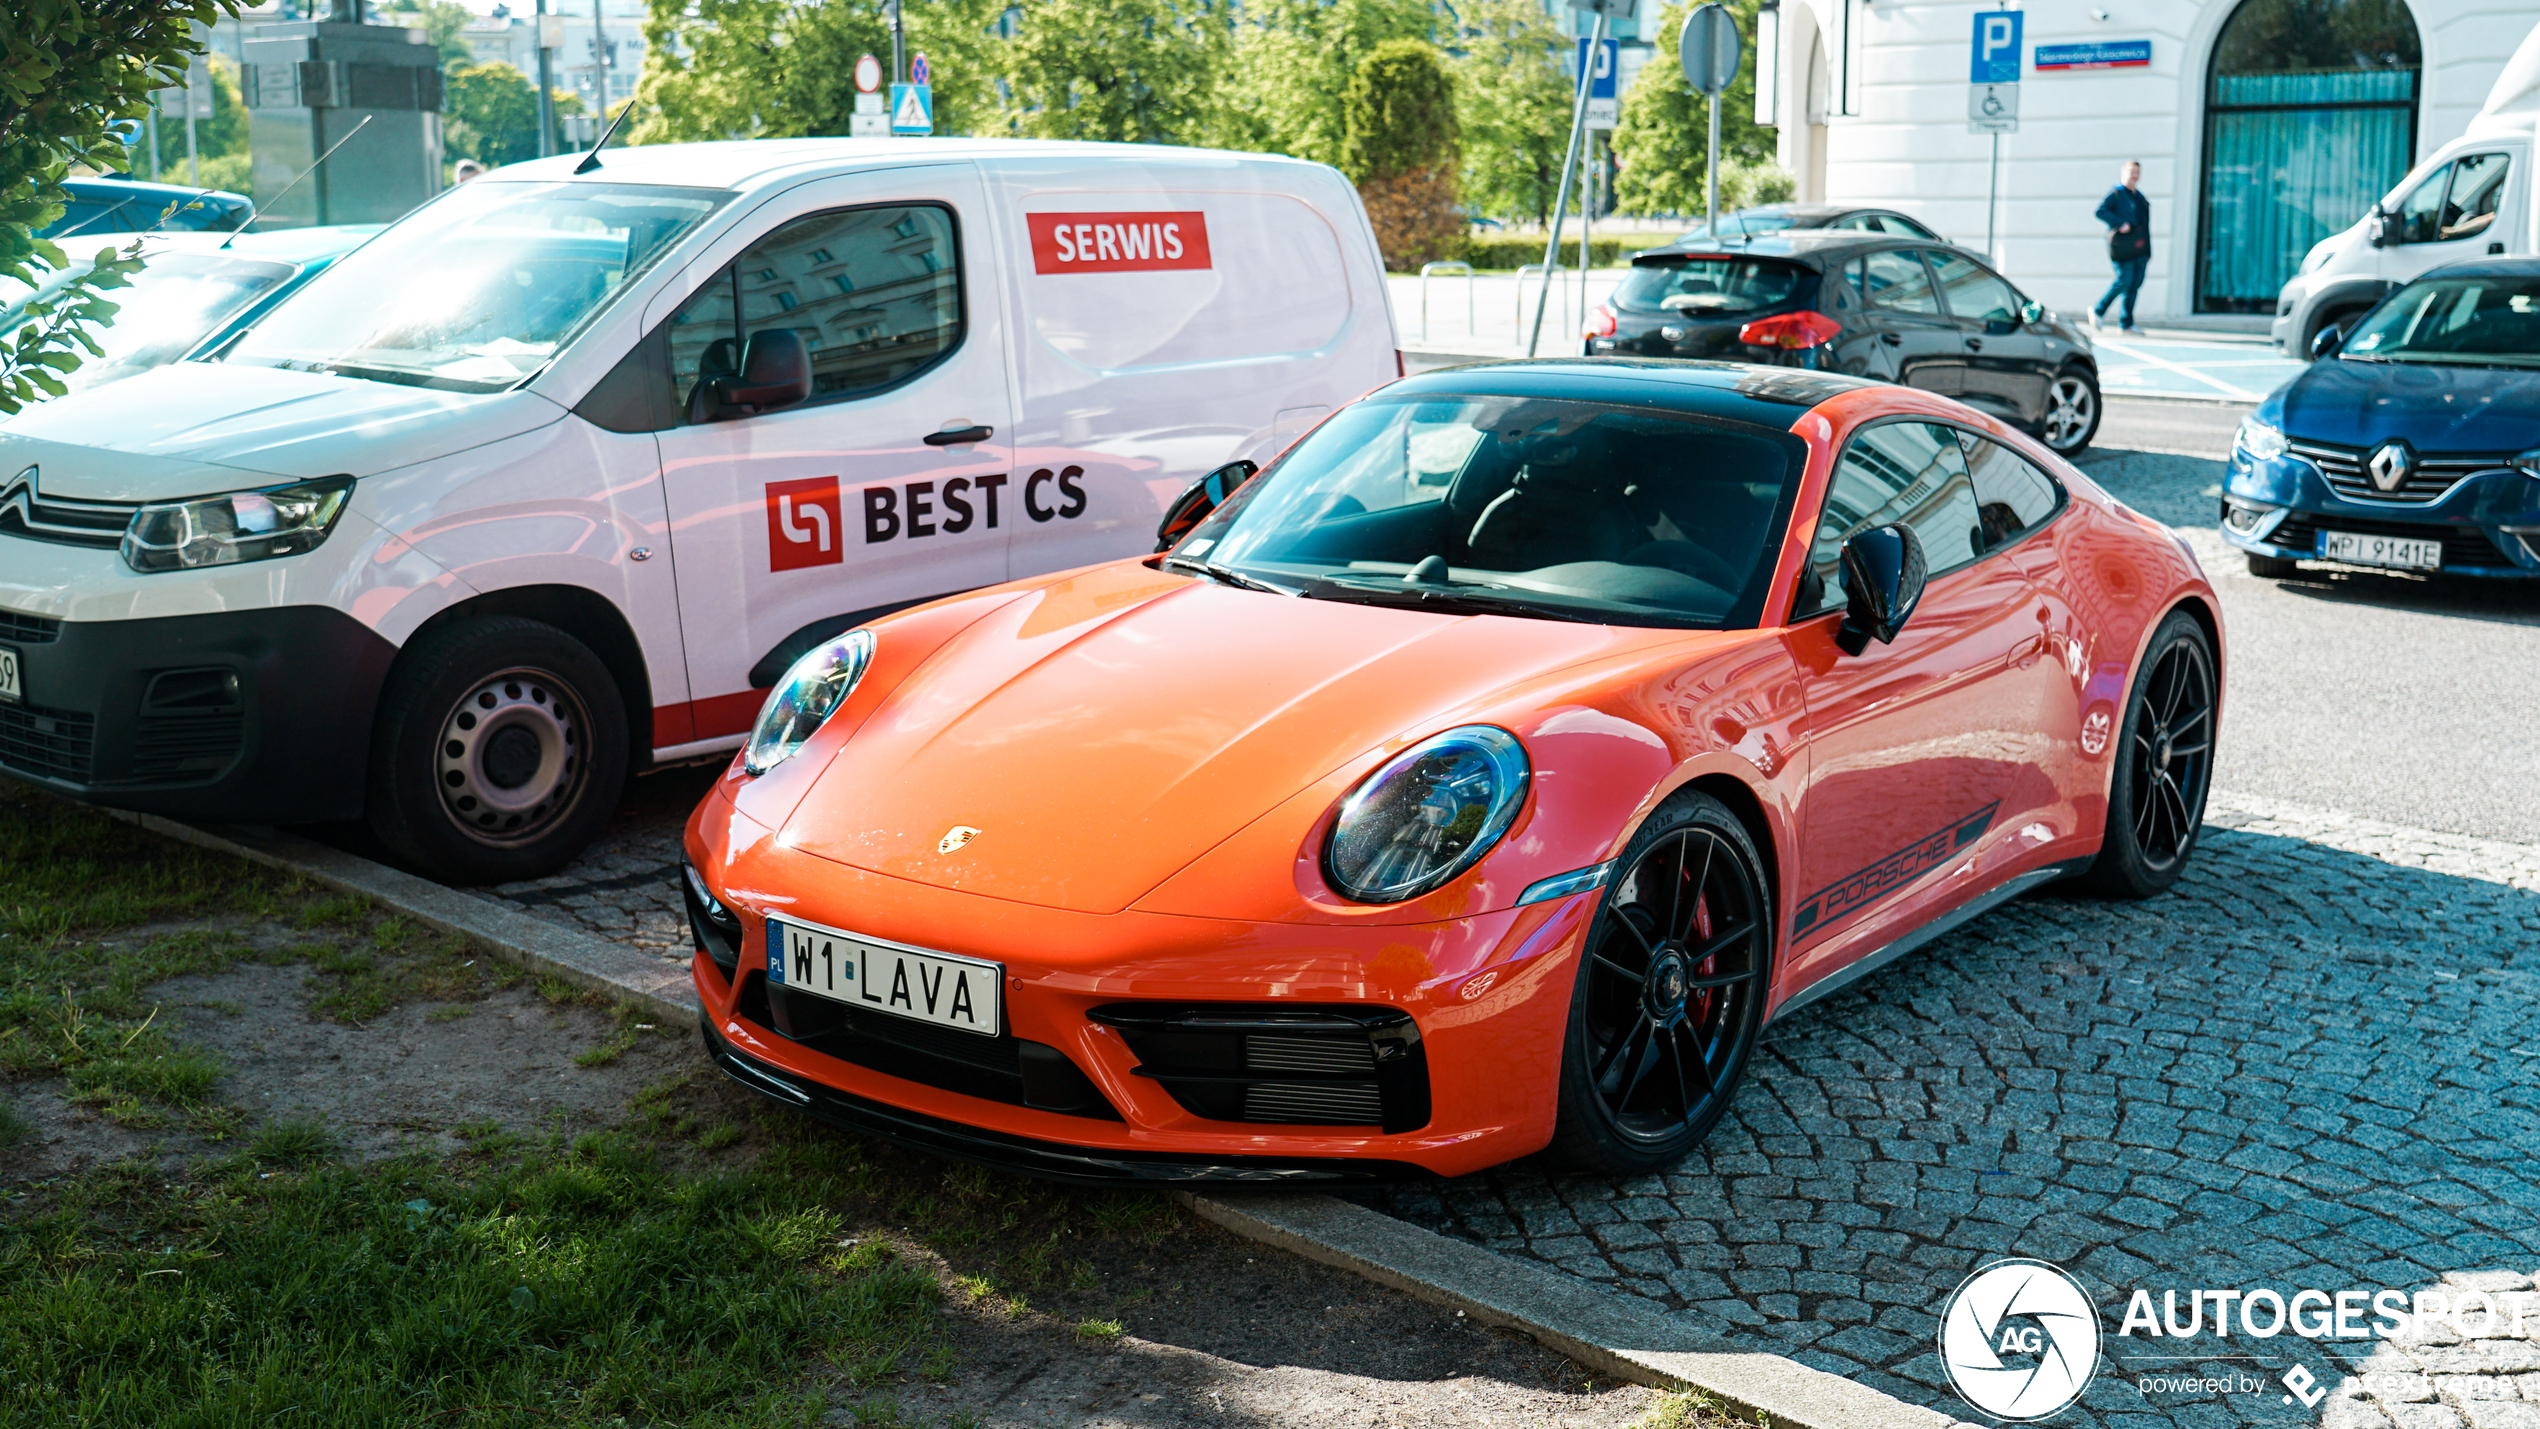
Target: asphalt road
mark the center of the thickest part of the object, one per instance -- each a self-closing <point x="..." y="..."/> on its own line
<point x="2401" y="698"/>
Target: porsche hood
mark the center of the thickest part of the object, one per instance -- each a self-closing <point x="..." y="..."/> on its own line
<point x="1105" y="731"/>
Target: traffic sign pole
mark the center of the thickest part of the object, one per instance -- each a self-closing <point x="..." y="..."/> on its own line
<point x="1710" y="51"/>
<point x="1993" y="98"/>
<point x="1561" y="200"/>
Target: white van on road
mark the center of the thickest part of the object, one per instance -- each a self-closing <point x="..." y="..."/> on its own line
<point x="2472" y="199"/>
<point x="555" y="476"/>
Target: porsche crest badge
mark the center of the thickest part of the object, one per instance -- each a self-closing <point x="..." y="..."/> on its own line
<point x="955" y="837"/>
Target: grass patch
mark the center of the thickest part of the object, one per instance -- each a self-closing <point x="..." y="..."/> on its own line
<point x="1099" y="1331"/>
<point x="586" y="1284"/>
<point x="606" y="1052"/>
<point x="1692" y="1409"/>
<point x="14" y="1128"/>
<point x="292" y="1141"/>
<point x="393" y="964"/>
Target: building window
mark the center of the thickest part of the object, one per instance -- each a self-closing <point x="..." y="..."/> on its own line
<point x="2310" y="117"/>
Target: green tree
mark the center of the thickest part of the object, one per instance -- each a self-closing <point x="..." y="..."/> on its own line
<point x="1660" y="144"/>
<point x="1293" y="63"/>
<point x="441" y="22"/>
<point x="1130" y="71"/>
<point x="1399" y="144"/>
<point x="489" y="113"/>
<point x="218" y="137"/>
<point x="738" y="69"/>
<point x="1513" y="105"/>
<point x="69" y="70"/>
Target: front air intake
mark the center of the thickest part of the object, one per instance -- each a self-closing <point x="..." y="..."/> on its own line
<point x="1281" y="1065"/>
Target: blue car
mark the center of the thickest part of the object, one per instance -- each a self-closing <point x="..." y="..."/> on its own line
<point x="2414" y="444"/>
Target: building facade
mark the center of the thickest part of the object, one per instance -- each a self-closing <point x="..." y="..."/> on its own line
<point x="2262" y="126"/>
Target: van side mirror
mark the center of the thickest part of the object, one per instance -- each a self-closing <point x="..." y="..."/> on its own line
<point x="2326" y="342"/>
<point x="1198" y="500"/>
<point x="1883" y="575"/>
<point x="2381" y="227"/>
<point x="775" y="372"/>
<point x="2032" y="311"/>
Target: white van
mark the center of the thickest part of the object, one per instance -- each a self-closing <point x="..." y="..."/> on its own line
<point x="2473" y="199"/>
<point x="555" y="476"/>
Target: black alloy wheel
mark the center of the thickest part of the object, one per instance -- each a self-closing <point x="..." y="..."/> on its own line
<point x="1670" y="994"/>
<point x="2164" y="765"/>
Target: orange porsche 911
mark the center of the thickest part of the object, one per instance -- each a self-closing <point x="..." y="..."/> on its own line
<point x="1480" y="778"/>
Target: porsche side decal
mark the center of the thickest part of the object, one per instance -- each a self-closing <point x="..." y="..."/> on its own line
<point x="1860" y="890"/>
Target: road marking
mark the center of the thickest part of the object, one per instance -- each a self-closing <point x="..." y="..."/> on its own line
<point x="2148" y="360"/>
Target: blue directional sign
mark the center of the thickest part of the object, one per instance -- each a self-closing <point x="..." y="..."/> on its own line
<point x="1995" y="56"/>
<point x="1608" y="60"/>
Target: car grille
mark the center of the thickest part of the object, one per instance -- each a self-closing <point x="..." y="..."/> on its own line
<point x="2462" y="545"/>
<point x="2435" y="473"/>
<point x="29" y="629"/>
<point x="52" y="744"/>
<point x="188" y="746"/>
<point x="998" y="1069"/>
<point x="26" y="512"/>
<point x="1281" y="1065"/>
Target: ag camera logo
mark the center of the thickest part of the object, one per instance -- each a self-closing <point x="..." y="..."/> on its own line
<point x="2020" y="1340"/>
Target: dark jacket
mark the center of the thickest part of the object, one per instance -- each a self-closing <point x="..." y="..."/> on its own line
<point x="2125" y="205"/>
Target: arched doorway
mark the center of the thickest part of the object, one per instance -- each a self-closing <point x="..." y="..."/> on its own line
<point x="2310" y="116"/>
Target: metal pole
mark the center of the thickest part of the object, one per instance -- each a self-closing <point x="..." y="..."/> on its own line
<point x="599" y="64"/>
<point x="1587" y="221"/>
<point x="193" y="157"/>
<point x="1993" y="202"/>
<point x="546" y="85"/>
<point x="1561" y="201"/>
<point x="1711" y="173"/>
<point x="150" y="135"/>
<point x="899" y="46"/>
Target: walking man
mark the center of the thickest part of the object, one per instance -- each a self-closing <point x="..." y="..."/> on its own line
<point x="2128" y="215"/>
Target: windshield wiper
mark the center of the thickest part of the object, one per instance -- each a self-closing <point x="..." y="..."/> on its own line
<point x="1450" y="602"/>
<point x="1224" y="576"/>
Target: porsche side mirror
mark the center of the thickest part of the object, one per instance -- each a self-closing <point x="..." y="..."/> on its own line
<point x="775" y="372"/>
<point x="1199" y="499"/>
<point x="1883" y="575"/>
<point x="2326" y="343"/>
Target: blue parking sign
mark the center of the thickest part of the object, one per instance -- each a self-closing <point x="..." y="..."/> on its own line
<point x="1994" y="57"/>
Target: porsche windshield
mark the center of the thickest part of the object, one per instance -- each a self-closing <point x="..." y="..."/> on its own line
<point x="1516" y="505"/>
<point x="478" y="289"/>
<point x="2490" y="321"/>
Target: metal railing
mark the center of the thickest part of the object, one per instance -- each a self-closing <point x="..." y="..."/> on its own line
<point x="1448" y="269"/>
<point x="1552" y="273"/>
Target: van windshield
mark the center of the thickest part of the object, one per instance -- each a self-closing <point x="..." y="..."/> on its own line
<point x="475" y="291"/>
<point x="174" y="302"/>
<point x="2489" y="321"/>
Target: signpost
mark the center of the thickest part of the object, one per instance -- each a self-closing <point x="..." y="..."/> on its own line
<point x="912" y="110"/>
<point x="1710" y="51"/>
<point x="1604" y="11"/>
<point x="1604" y="106"/>
<point x="870" y="120"/>
<point x="1993" y="97"/>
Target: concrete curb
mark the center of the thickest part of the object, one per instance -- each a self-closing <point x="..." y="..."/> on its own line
<point x="577" y="957"/>
<point x="1561" y="1312"/>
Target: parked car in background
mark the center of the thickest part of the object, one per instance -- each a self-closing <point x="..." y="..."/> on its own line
<point x="108" y="206"/>
<point x="194" y="292"/>
<point x="2413" y="444"/>
<point x="1780" y="217"/>
<point x="1482" y="777"/>
<point x="1924" y="314"/>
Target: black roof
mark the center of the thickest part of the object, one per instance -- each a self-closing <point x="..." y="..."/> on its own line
<point x="1818" y="248"/>
<point x="1734" y="391"/>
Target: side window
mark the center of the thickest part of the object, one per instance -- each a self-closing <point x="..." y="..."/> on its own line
<point x="2421" y="212"/>
<point x="1913" y="472"/>
<point x="1899" y="223"/>
<point x="1894" y="278"/>
<point x="2478" y="185"/>
<point x="1855" y="223"/>
<point x="1974" y="294"/>
<point x="875" y="293"/>
<point x="705" y="342"/>
<point x="2013" y="498"/>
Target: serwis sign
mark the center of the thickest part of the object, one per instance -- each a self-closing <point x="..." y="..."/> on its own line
<point x="1117" y="242"/>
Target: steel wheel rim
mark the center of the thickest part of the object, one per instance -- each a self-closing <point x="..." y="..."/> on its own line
<point x="2172" y="758"/>
<point x="1674" y="979"/>
<point x="509" y="760"/>
<point x="2068" y="411"/>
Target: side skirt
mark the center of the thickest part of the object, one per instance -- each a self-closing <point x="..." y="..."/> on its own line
<point x="1950" y="921"/>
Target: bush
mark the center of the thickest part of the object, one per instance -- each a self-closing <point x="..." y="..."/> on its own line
<point x="1514" y="252"/>
<point x="1400" y="147"/>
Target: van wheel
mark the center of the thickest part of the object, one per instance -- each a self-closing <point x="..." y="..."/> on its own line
<point x="2071" y="417"/>
<point x="499" y="752"/>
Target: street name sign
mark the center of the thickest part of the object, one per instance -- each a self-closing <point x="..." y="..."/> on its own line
<point x="2099" y="54"/>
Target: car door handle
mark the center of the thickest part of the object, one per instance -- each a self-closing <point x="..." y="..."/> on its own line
<point x="959" y="436"/>
<point x="1892" y="339"/>
<point x="1975" y="344"/>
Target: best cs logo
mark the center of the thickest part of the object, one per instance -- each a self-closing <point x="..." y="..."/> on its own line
<point x="2020" y="1340"/>
<point x="802" y="524"/>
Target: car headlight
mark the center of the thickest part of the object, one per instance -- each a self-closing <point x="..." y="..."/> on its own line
<point x="802" y="702"/>
<point x="1429" y="814"/>
<point x="237" y="526"/>
<point x="2263" y="441"/>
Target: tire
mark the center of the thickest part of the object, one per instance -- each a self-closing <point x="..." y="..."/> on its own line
<point x="2274" y="568"/>
<point x="1669" y="1002"/>
<point x="2072" y="412"/>
<point x="2163" y="766"/>
<point x="499" y="751"/>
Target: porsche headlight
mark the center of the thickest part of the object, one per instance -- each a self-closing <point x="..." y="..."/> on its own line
<point x="803" y="701"/>
<point x="1429" y="814"/>
<point x="2263" y="441"/>
<point x="237" y="526"/>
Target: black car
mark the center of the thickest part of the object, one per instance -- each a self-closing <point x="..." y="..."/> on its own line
<point x="130" y="206"/>
<point x="1779" y="217"/>
<point x="1924" y="314"/>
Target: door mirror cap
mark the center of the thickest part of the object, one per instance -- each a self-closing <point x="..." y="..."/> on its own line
<point x="1199" y="500"/>
<point x="2327" y="341"/>
<point x="2032" y="311"/>
<point x="775" y="372"/>
<point x="2379" y="226"/>
<point x="1883" y="575"/>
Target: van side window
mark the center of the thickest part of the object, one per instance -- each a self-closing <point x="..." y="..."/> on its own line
<point x="705" y="342"/>
<point x="1909" y="472"/>
<point x="2013" y="498"/>
<point x="875" y="293"/>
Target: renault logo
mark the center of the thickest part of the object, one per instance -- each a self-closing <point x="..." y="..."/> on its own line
<point x="955" y="837"/>
<point x="2390" y="464"/>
